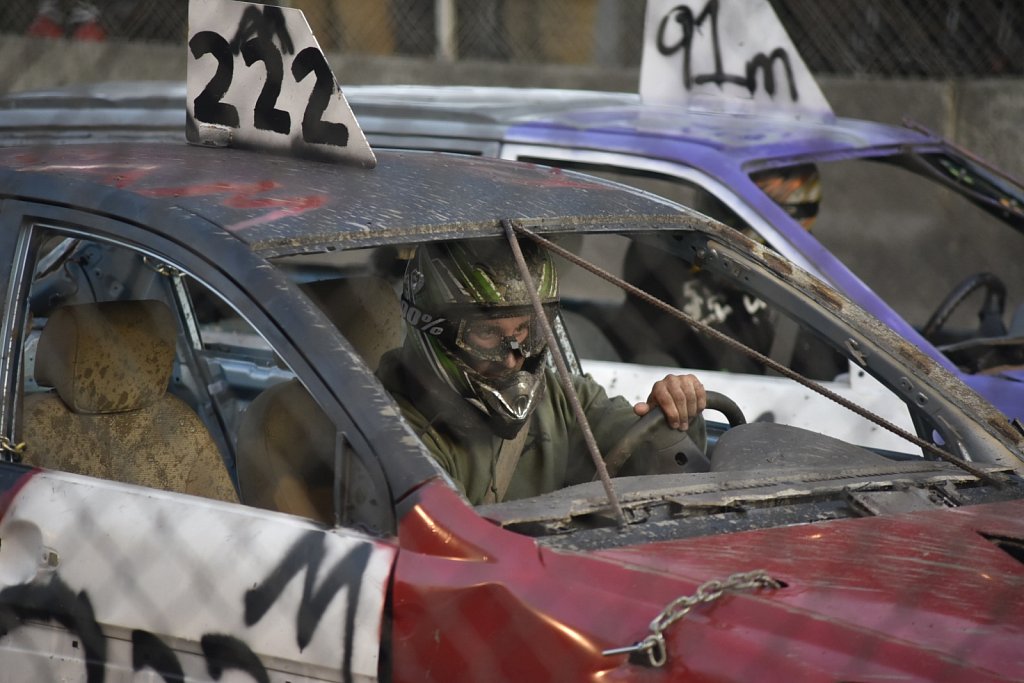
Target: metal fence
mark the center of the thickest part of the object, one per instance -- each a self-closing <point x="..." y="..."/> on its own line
<point x="882" y="38"/>
<point x="908" y="38"/>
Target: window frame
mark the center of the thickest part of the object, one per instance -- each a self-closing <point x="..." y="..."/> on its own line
<point x="21" y="224"/>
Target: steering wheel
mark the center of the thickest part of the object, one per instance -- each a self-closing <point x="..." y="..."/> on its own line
<point x="991" y="313"/>
<point x="672" y="451"/>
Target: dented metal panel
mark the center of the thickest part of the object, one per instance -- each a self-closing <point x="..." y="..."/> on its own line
<point x="169" y="571"/>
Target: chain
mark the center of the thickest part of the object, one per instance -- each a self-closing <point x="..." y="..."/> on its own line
<point x="654" y="644"/>
<point x="760" y="357"/>
<point x="15" y="449"/>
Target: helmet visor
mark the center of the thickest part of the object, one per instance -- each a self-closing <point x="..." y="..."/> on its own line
<point x="492" y="334"/>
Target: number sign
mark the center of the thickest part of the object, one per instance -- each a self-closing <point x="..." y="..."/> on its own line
<point x="257" y="78"/>
<point x="725" y="55"/>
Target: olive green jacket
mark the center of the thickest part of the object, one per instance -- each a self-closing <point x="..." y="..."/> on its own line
<point x="554" y="453"/>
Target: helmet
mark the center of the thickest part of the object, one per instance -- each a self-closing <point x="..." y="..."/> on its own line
<point x="797" y="189"/>
<point x="451" y="289"/>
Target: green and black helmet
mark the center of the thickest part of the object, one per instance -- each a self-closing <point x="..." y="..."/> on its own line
<point x="451" y="292"/>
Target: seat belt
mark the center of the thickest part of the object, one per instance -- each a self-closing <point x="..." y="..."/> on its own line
<point x="505" y="467"/>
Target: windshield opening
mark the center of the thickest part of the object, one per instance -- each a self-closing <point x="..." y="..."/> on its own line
<point x="475" y="387"/>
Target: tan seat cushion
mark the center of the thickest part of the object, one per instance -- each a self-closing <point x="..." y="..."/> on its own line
<point x="365" y="309"/>
<point x="163" y="446"/>
<point x="286" y="453"/>
<point x="110" y="415"/>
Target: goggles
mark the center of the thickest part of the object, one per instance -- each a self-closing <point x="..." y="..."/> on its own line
<point x="485" y="333"/>
<point x="493" y="334"/>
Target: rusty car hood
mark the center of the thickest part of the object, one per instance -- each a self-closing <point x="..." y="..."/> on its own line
<point x="934" y="591"/>
<point x="922" y="596"/>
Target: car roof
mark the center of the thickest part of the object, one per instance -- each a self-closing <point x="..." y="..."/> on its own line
<point x="108" y="111"/>
<point x="523" y="114"/>
<point x="282" y="205"/>
<point x="103" y="95"/>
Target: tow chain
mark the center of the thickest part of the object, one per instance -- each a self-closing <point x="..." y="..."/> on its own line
<point x="654" y="644"/>
<point x="15" y="449"/>
<point x="759" y="357"/>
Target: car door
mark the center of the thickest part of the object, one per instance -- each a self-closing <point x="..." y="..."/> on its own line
<point x="102" y="579"/>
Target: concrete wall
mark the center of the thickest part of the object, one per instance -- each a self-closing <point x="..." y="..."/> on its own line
<point x="982" y="115"/>
<point x="946" y="242"/>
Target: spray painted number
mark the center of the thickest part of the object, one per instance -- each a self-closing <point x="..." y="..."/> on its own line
<point x="266" y="116"/>
<point x="314" y="128"/>
<point x="209" y="108"/>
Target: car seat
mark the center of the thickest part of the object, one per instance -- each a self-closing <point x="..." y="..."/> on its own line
<point x="285" y="453"/>
<point x="365" y="309"/>
<point x="286" y="444"/>
<point x="109" y="414"/>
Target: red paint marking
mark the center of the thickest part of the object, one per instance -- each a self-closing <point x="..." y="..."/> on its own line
<point x="207" y="189"/>
<point x="123" y="180"/>
<point x="246" y="196"/>
<point x="235" y="195"/>
<point x="557" y="178"/>
<point x="120" y="176"/>
<point x="8" y="496"/>
<point x="553" y="177"/>
<point x="288" y="207"/>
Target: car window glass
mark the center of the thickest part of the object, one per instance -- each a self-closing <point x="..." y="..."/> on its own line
<point x="102" y="389"/>
<point x="147" y="376"/>
<point x="286" y="448"/>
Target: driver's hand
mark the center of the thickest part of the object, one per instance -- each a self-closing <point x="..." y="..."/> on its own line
<point x="680" y="397"/>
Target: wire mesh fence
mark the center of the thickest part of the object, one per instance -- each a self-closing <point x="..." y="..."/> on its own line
<point x="908" y="38"/>
<point x="881" y="38"/>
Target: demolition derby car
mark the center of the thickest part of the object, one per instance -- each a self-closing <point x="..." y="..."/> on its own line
<point x="729" y="120"/>
<point x="203" y="477"/>
<point x="919" y="233"/>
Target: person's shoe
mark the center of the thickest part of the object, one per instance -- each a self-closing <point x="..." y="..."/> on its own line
<point x="44" y="26"/>
<point x="90" y="30"/>
<point x="85" y="20"/>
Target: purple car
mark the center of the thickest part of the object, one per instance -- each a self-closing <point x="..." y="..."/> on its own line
<point x="730" y="121"/>
<point x="897" y="202"/>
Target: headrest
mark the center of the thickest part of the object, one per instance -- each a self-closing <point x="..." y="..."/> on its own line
<point x="365" y="309"/>
<point x="107" y="357"/>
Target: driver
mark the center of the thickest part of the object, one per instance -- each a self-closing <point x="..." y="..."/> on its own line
<point x="471" y="377"/>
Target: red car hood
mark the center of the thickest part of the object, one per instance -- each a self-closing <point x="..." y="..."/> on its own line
<point x="935" y="595"/>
